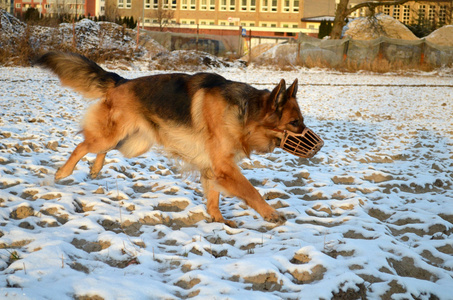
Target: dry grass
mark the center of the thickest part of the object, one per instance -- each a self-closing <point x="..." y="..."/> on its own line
<point x="377" y="65"/>
<point x="382" y="65"/>
<point x="24" y="49"/>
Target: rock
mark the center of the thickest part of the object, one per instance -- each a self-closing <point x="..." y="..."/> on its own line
<point x="442" y="36"/>
<point x="316" y="273"/>
<point x="367" y="28"/>
<point x="22" y="212"/>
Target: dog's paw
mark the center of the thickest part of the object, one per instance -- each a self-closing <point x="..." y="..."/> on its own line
<point x="60" y="175"/>
<point x="275" y="217"/>
<point x="230" y="223"/>
<point x="94" y="175"/>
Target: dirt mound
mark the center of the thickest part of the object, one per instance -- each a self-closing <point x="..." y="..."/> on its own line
<point x="9" y="25"/>
<point x="103" y="41"/>
<point x="86" y="35"/>
<point x="188" y="60"/>
<point x="285" y="55"/>
<point x="442" y="36"/>
<point x="282" y="54"/>
<point x="368" y="28"/>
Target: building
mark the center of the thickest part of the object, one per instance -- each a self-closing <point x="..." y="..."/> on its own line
<point x="433" y="12"/>
<point x="55" y="8"/>
<point x="315" y="8"/>
<point x="261" y="17"/>
<point x="7" y="5"/>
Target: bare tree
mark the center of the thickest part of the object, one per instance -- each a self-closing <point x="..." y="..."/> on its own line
<point x="163" y="14"/>
<point x="342" y="12"/>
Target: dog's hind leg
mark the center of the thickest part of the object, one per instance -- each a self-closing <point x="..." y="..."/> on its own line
<point x="212" y="206"/>
<point x="98" y="164"/>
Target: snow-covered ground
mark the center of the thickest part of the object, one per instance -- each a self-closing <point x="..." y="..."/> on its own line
<point x="370" y="216"/>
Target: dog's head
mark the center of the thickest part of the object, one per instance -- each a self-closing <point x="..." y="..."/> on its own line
<point x="281" y="124"/>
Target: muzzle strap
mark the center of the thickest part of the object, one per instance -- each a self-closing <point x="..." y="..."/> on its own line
<point x="305" y="144"/>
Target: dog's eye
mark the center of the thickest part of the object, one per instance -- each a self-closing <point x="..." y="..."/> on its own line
<point x="294" y="123"/>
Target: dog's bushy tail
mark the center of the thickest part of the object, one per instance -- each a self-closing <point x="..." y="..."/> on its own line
<point x="79" y="73"/>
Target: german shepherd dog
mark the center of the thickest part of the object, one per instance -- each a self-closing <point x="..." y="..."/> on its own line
<point x="203" y="119"/>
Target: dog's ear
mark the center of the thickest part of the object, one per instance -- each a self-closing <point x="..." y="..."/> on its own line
<point x="292" y="90"/>
<point x="278" y="98"/>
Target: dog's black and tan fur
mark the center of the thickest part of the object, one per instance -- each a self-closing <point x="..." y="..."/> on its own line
<point x="203" y="119"/>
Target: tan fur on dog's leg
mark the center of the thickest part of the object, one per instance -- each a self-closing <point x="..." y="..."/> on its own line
<point x="80" y="151"/>
<point x="97" y="165"/>
<point x="212" y="206"/>
<point x="228" y="176"/>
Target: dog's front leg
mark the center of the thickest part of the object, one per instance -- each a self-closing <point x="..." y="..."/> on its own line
<point x="212" y="196"/>
<point x="97" y="165"/>
<point x="229" y="177"/>
<point x="80" y="151"/>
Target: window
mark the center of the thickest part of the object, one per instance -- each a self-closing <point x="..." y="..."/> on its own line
<point x="387" y="10"/>
<point x="264" y="5"/>
<point x="184" y="5"/>
<point x="272" y="25"/>
<point x="286" y="5"/>
<point x="173" y="4"/>
<point x="248" y="24"/>
<point x="289" y="25"/>
<point x="203" y="6"/>
<point x="290" y="6"/>
<point x="396" y="12"/>
<point x="243" y="5"/>
<point x="229" y="5"/>
<point x="431" y="13"/>
<point x="147" y="4"/>
<point x="120" y="3"/>
<point x="442" y="14"/>
<point x="165" y="4"/>
<point x="187" y="22"/>
<point x="295" y="5"/>
<point x="212" y="5"/>
<point x="406" y="14"/>
<point x="193" y="4"/>
<point x="422" y="12"/>
<point x="252" y="5"/>
<point x="207" y="22"/>
<point x="273" y="5"/>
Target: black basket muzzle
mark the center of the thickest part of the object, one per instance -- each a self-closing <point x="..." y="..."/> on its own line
<point x="305" y="144"/>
